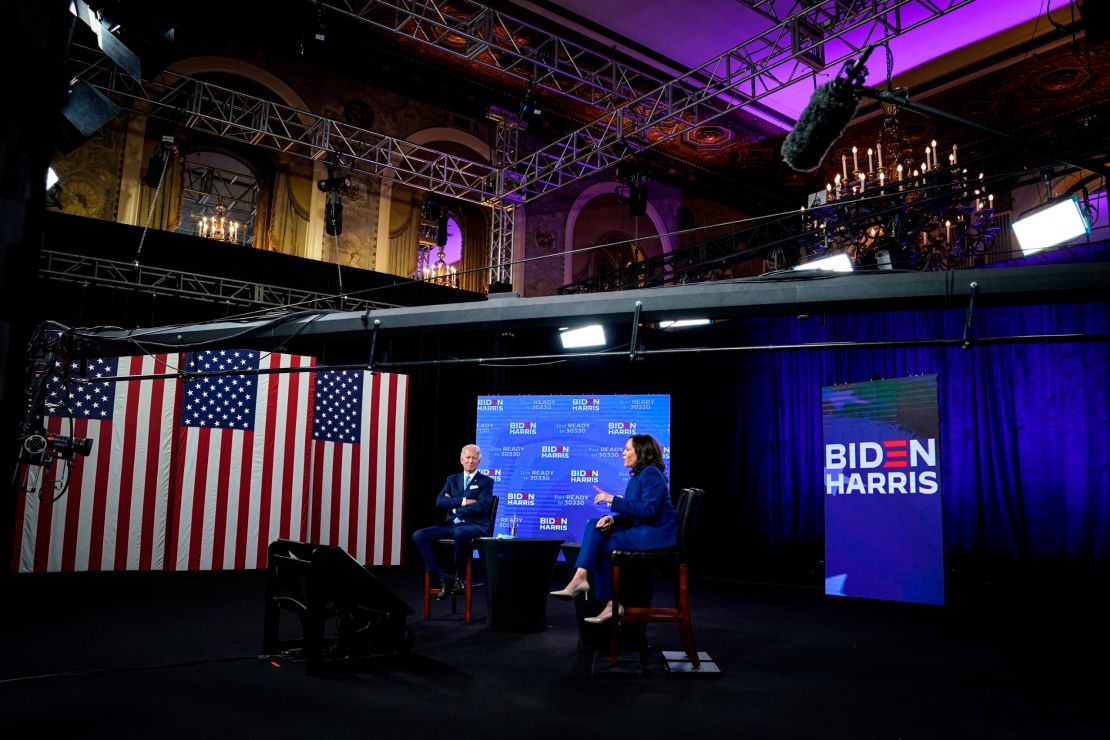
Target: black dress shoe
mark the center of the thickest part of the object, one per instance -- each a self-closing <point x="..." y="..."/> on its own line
<point x="445" y="587"/>
<point x="459" y="586"/>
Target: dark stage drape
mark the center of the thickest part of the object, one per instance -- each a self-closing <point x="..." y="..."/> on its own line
<point x="1025" y="430"/>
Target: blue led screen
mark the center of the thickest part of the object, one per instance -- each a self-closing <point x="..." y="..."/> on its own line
<point x="882" y="491"/>
<point x="546" y="454"/>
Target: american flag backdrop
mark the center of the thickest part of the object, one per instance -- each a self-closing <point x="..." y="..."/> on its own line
<point x="203" y="473"/>
<point x="106" y="511"/>
<point x="243" y="477"/>
<point x="358" y="433"/>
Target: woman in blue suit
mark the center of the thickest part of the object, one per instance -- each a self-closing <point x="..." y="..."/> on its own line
<point x="642" y="519"/>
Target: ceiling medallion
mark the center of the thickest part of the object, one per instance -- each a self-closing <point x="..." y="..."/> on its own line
<point x="1060" y="81"/>
<point x="708" y="137"/>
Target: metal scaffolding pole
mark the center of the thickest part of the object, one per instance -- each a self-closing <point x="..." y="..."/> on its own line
<point x="506" y="141"/>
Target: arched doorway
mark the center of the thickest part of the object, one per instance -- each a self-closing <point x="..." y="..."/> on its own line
<point x="468" y="224"/>
<point x="601" y="212"/>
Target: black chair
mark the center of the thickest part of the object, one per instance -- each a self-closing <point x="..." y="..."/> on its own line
<point x="673" y="559"/>
<point x="449" y="545"/>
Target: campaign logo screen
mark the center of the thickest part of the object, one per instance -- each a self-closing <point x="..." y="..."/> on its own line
<point x="882" y="486"/>
<point x="549" y="453"/>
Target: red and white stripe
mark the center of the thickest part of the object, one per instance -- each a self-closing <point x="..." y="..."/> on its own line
<point x="113" y="513"/>
<point x="357" y="488"/>
<point x="238" y="490"/>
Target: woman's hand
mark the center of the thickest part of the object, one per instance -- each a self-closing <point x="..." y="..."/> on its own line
<point x="604" y="523"/>
<point x="602" y="496"/>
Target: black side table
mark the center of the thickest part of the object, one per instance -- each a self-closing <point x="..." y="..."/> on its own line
<point x="518" y="579"/>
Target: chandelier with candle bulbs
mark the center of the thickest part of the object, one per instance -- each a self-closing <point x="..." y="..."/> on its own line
<point x="427" y="270"/>
<point x="218" y="226"/>
<point x="907" y="210"/>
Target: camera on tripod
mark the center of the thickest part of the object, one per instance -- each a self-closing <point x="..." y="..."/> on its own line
<point x="43" y="448"/>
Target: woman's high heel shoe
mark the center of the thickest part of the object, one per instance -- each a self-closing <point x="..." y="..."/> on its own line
<point x="603" y="618"/>
<point x="569" y="593"/>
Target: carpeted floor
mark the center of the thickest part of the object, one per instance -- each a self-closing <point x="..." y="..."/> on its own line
<point x="177" y="655"/>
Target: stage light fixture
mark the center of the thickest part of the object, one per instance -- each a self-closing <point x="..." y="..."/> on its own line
<point x="683" y="323"/>
<point x="833" y="263"/>
<point x="138" y="37"/>
<point x="1051" y="225"/>
<point x="587" y="336"/>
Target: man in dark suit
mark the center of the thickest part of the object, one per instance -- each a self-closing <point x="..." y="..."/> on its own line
<point x="467" y="497"/>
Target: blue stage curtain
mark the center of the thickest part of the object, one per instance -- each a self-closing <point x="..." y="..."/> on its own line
<point x="1025" y="429"/>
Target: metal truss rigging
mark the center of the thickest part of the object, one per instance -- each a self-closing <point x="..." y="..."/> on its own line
<point x="75" y="268"/>
<point x="503" y="43"/>
<point x="756" y="68"/>
<point x="215" y="110"/>
<point x="782" y="55"/>
<point x="766" y="63"/>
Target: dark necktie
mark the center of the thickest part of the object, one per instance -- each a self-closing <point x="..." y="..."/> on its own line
<point x="466" y="483"/>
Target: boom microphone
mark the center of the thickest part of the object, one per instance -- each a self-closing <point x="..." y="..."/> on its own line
<point x="825" y="117"/>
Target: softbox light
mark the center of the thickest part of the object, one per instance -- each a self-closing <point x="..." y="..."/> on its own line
<point x="1051" y="225"/>
<point x="587" y="336"/>
<point x="835" y="263"/>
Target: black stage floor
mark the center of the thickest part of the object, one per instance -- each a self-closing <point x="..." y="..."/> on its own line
<point x="177" y="655"/>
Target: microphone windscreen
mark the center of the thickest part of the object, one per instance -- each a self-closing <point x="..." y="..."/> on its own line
<point x="820" y="125"/>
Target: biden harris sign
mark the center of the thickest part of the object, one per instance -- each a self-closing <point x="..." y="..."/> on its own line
<point x="547" y="453"/>
<point x="882" y="490"/>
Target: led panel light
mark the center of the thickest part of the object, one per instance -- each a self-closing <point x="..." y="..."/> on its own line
<point x="681" y="323"/>
<point x="1054" y="224"/>
<point x="588" y="336"/>
<point x="835" y="263"/>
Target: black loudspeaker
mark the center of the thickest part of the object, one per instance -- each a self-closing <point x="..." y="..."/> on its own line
<point x="321" y="584"/>
<point x="685" y="217"/>
<point x="333" y="215"/>
<point x="637" y="200"/>
<point x="86" y="111"/>
<point x="1096" y="20"/>
<point x="154" y="170"/>
<point x="441" y="229"/>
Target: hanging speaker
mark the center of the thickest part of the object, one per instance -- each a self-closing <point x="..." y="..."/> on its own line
<point x="685" y="217"/>
<point x="1095" y="15"/>
<point x="154" y="170"/>
<point x="637" y="200"/>
<point x="85" y="112"/>
<point x="441" y="229"/>
<point x="333" y="216"/>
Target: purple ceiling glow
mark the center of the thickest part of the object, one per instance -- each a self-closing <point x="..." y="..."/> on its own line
<point x="693" y="33"/>
<point x="975" y="22"/>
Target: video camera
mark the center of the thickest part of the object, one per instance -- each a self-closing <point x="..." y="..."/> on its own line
<point x="43" y="448"/>
<point x="36" y="445"/>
